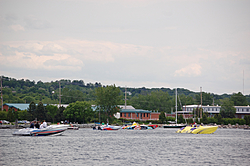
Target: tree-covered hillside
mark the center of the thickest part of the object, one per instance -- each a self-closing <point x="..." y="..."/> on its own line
<point x="159" y="99"/>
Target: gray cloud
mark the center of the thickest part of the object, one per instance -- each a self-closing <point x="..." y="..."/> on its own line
<point x="138" y="43"/>
<point x="6" y="50"/>
<point x="33" y="22"/>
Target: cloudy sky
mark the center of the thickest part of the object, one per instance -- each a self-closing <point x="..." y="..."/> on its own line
<point x="133" y="43"/>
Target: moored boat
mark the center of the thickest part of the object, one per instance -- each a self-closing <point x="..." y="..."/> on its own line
<point x="146" y="127"/>
<point x="73" y="127"/>
<point x="184" y="129"/>
<point x="50" y="130"/>
<point x="196" y="129"/>
<point x="136" y="126"/>
<point x="204" y="130"/>
<point x="174" y="126"/>
<point x="154" y="126"/>
<point x="110" y="127"/>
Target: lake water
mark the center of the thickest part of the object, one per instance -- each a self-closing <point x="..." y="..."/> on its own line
<point x="125" y="147"/>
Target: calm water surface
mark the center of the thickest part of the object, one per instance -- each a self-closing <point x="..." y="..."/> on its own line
<point x="123" y="147"/>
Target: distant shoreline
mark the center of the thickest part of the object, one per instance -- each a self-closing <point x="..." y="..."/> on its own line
<point x="229" y="126"/>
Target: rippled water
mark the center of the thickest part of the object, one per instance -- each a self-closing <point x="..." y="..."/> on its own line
<point x="123" y="147"/>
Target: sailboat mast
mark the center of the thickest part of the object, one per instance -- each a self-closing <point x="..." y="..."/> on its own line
<point x="176" y="105"/>
<point x="125" y="97"/>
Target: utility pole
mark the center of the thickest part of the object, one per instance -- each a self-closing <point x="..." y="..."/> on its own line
<point x="59" y="94"/>
<point x="2" y="93"/>
<point x="99" y="116"/>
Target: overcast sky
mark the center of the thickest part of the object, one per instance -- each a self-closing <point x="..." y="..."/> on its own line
<point x="134" y="43"/>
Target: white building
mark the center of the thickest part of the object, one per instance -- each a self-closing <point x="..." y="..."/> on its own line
<point x="241" y="111"/>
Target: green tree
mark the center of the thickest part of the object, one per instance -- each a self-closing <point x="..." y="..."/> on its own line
<point x="186" y="100"/>
<point x="3" y="115"/>
<point x="28" y="99"/>
<point x="40" y="112"/>
<point x="60" y="115"/>
<point x="204" y="119"/>
<point x="207" y="98"/>
<point x="216" y="116"/>
<point x="227" y="109"/>
<point x="247" y="119"/>
<point x="32" y="111"/>
<point x="78" y="111"/>
<point x="238" y="99"/>
<point x="181" y="119"/>
<point x="107" y="99"/>
<point x="71" y="96"/>
<point x="88" y="113"/>
<point x="170" y="119"/>
<point x="190" y="121"/>
<point x="212" y="120"/>
<point x="219" y="119"/>
<point x="23" y="115"/>
<point x="162" y="117"/>
<point x="52" y="111"/>
<point x="10" y="115"/>
<point x="156" y="101"/>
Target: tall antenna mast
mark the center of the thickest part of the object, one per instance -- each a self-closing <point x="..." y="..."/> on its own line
<point x="243" y="82"/>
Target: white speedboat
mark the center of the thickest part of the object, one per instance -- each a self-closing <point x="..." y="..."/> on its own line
<point x="50" y="130"/>
<point x="110" y="127"/>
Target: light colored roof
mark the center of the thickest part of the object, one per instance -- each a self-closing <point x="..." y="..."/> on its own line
<point x="127" y="107"/>
<point x="242" y="106"/>
<point x="20" y="106"/>
<point x="194" y="106"/>
<point x="134" y="111"/>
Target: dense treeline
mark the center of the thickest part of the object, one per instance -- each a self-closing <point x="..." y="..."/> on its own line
<point x="81" y="96"/>
<point x="107" y="100"/>
<point x="157" y="99"/>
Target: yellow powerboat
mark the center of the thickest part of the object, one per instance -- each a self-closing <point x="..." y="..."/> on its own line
<point x="204" y="130"/>
<point x="184" y="129"/>
<point x="195" y="129"/>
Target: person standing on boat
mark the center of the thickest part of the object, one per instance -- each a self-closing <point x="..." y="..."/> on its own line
<point x="37" y="125"/>
<point x="32" y="125"/>
<point x="44" y="124"/>
<point x="41" y="126"/>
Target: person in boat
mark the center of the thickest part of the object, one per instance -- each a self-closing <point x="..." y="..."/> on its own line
<point x="32" y="125"/>
<point x="41" y="126"/>
<point x="37" y="125"/>
<point x="44" y="124"/>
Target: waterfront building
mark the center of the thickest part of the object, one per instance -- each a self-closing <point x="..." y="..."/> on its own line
<point x="24" y="106"/>
<point x="129" y="112"/>
<point x="241" y="111"/>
